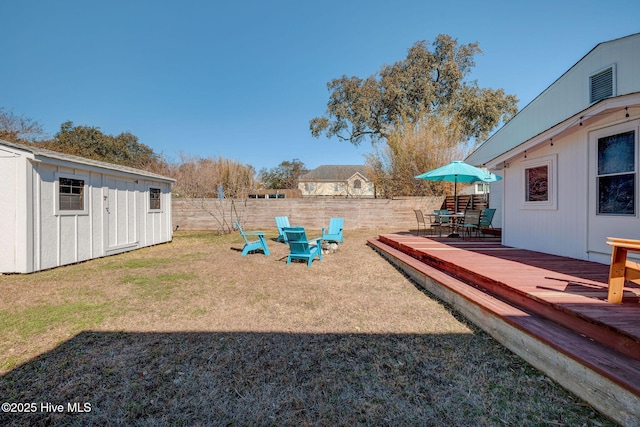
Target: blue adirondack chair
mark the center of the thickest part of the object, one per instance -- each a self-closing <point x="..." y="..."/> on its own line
<point x="282" y="222"/>
<point x="300" y="247"/>
<point x="334" y="234"/>
<point x="256" y="245"/>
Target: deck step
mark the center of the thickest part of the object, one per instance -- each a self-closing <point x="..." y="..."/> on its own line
<point x="537" y="339"/>
<point x="568" y="310"/>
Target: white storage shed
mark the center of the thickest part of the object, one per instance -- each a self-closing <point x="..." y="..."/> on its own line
<point x="59" y="209"/>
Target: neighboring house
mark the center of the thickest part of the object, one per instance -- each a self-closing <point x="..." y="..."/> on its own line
<point x="570" y="159"/>
<point x="59" y="209"/>
<point x="336" y="181"/>
<point x="475" y="188"/>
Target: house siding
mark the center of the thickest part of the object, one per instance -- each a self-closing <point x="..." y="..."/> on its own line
<point x="563" y="125"/>
<point x="573" y="228"/>
<point x="538" y="229"/>
<point x="567" y="96"/>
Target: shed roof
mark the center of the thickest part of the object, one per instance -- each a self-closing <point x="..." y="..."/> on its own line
<point x="334" y="173"/>
<point x="38" y="152"/>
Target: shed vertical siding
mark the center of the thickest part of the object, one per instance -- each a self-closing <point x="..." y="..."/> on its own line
<point x="156" y="225"/>
<point x="121" y="212"/>
<point x="96" y="207"/>
<point x="9" y="209"/>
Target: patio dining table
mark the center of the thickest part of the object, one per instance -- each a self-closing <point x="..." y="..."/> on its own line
<point x="455" y="218"/>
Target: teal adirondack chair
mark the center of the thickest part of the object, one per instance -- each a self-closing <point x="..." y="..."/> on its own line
<point x="282" y="222"/>
<point x="256" y="245"/>
<point x="334" y="234"/>
<point x="300" y="247"/>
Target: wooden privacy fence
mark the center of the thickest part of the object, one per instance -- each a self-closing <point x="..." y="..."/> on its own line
<point x="312" y="213"/>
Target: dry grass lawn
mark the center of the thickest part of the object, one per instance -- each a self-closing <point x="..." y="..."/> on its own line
<point x="191" y="333"/>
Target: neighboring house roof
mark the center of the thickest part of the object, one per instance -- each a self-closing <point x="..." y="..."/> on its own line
<point x="332" y="173"/>
<point x="561" y="100"/>
<point x="49" y="154"/>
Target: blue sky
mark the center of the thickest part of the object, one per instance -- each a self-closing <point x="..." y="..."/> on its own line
<point x="242" y="79"/>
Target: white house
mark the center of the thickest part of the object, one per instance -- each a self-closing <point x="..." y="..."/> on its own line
<point x="59" y="209"/>
<point x="570" y="159"/>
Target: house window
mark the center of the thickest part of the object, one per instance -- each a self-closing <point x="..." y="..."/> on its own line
<point x="338" y="187"/>
<point x="482" y="188"/>
<point x="540" y="183"/>
<point x="154" y="198"/>
<point x="616" y="174"/>
<point x="309" y="186"/>
<point x="601" y="85"/>
<point x="70" y="194"/>
<point x="357" y="184"/>
<point x="537" y="184"/>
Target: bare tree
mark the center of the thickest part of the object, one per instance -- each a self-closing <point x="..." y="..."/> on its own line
<point x="394" y="165"/>
<point x="19" y="129"/>
<point x="218" y="186"/>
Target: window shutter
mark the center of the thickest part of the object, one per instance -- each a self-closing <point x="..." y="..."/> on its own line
<point x="601" y="85"/>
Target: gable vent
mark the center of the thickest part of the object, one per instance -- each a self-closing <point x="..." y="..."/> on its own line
<point x="601" y="85"/>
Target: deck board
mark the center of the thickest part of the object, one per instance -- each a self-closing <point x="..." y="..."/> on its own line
<point x="571" y="291"/>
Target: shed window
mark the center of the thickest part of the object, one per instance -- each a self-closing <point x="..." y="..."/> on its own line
<point x="616" y="174"/>
<point x="154" y="198"/>
<point x="71" y="194"/>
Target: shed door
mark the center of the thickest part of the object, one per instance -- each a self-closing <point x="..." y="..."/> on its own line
<point x="120" y="214"/>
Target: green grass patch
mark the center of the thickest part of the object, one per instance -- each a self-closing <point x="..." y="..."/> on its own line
<point x="146" y="262"/>
<point x="259" y="298"/>
<point x="39" y="319"/>
<point x="198" y="312"/>
<point x="121" y="261"/>
<point x="159" y="286"/>
<point x="10" y="362"/>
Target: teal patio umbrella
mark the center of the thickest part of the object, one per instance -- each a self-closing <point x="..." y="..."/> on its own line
<point x="458" y="171"/>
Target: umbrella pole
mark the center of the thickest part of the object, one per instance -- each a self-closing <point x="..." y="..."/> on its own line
<point x="455" y="204"/>
<point x="455" y="194"/>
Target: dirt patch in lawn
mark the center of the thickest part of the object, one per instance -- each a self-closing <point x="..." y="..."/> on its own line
<point x="193" y="333"/>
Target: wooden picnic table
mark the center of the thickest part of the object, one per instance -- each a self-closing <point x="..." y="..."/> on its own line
<point x="622" y="269"/>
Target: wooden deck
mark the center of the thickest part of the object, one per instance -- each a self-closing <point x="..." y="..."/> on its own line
<point x="556" y="305"/>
